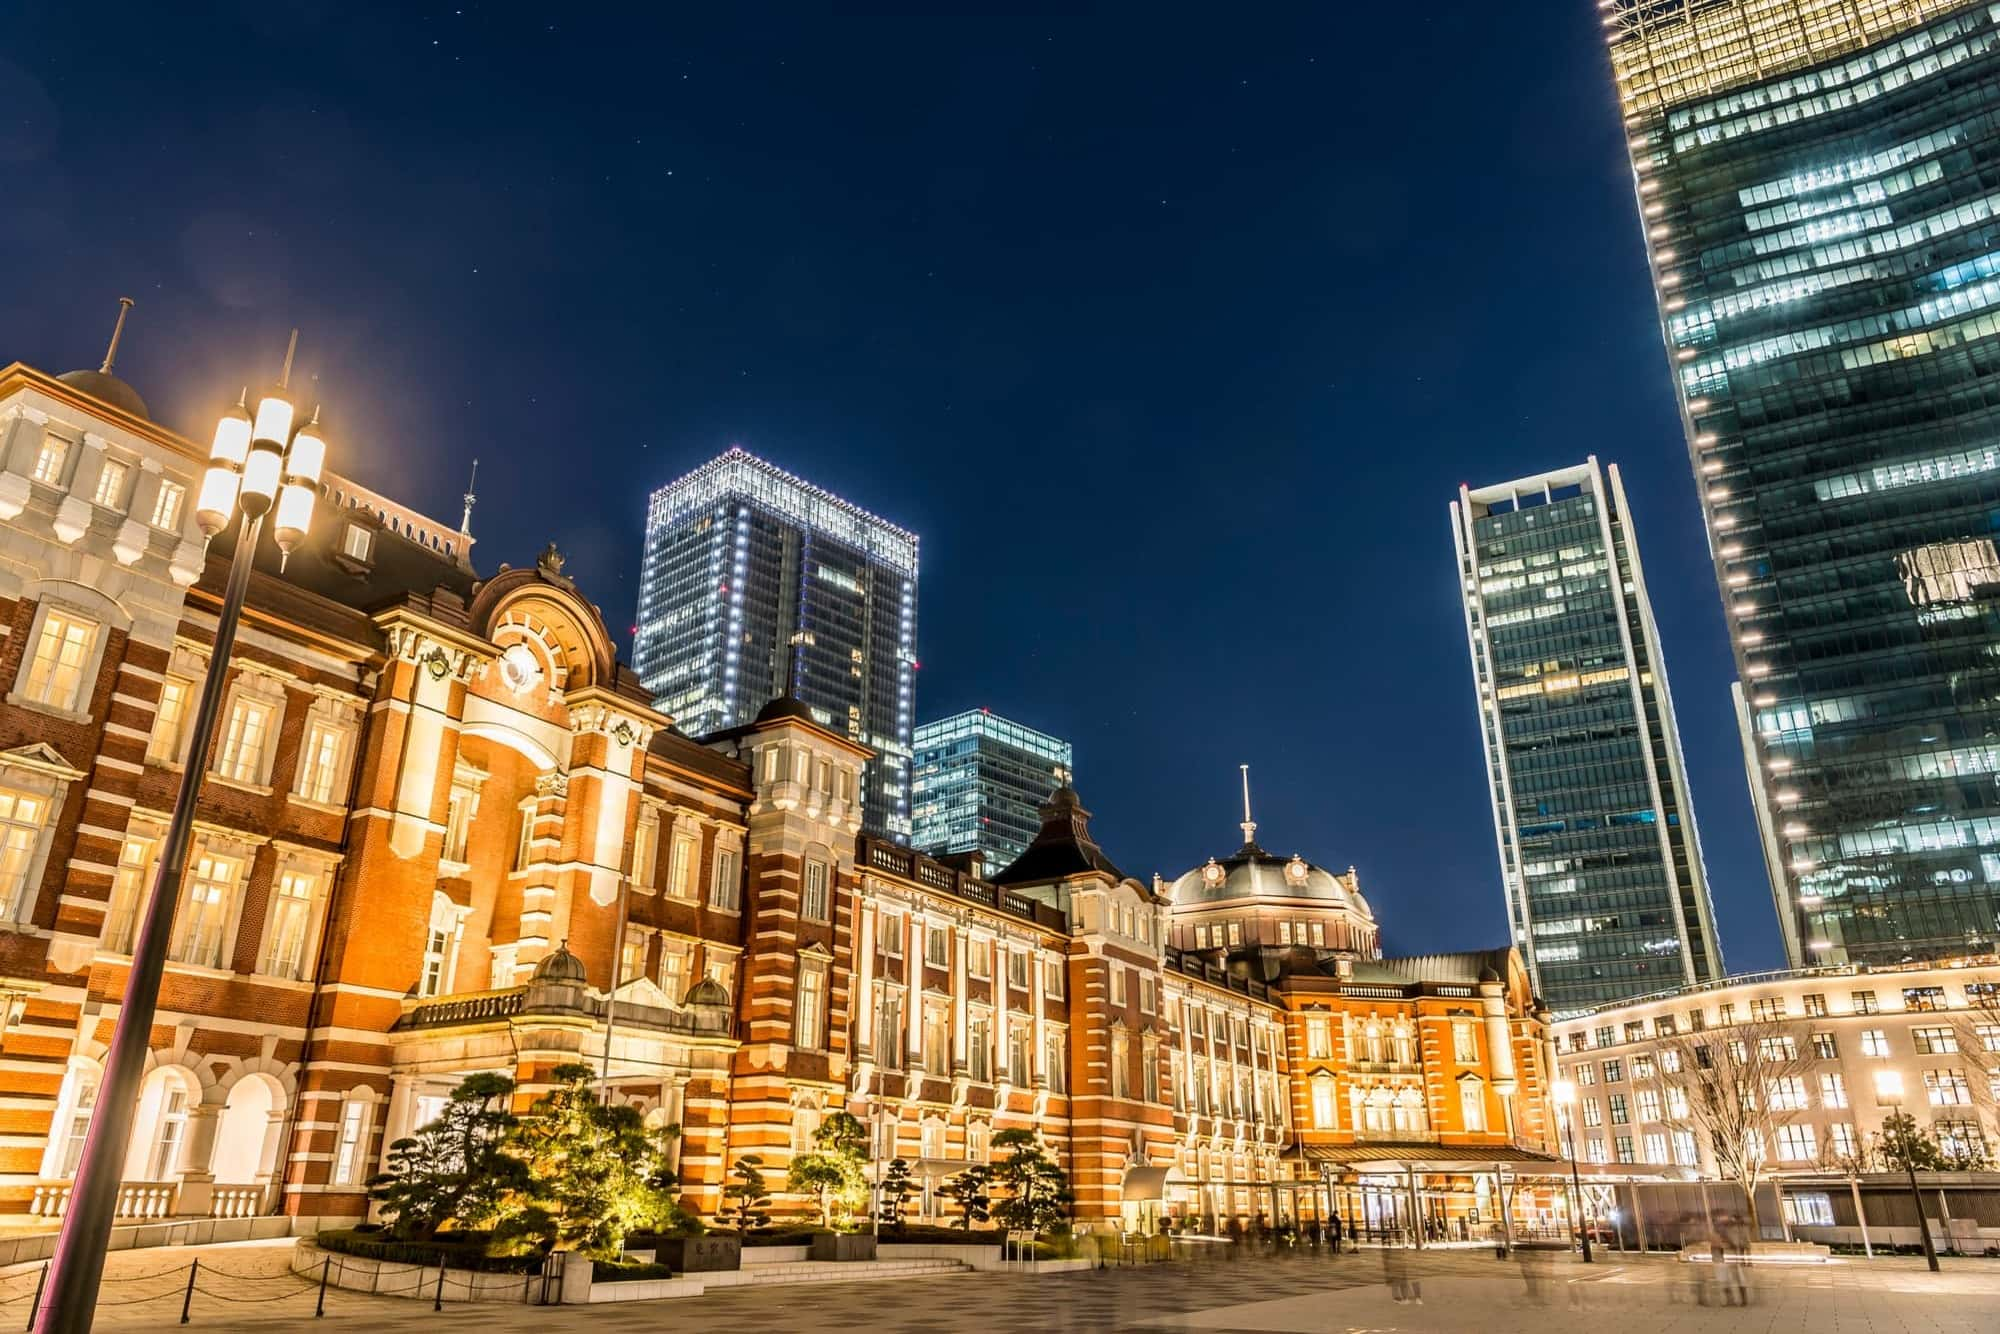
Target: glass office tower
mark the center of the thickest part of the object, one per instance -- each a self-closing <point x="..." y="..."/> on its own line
<point x="755" y="582"/>
<point x="1819" y="185"/>
<point x="1598" y="852"/>
<point x="979" y="784"/>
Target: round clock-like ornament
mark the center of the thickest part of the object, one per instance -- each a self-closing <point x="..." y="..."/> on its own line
<point x="1213" y="874"/>
<point x="520" y="669"/>
<point x="1296" y="870"/>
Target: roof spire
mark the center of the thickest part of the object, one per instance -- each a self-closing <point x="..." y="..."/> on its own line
<point x="125" y="304"/>
<point x="1249" y="826"/>
<point x="471" y="499"/>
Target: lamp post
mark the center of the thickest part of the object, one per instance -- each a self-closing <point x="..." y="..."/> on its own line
<point x="1564" y="1092"/>
<point x="1889" y="1093"/>
<point x="266" y="466"/>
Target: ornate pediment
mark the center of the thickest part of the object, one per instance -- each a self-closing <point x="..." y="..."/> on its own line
<point x="42" y="758"/>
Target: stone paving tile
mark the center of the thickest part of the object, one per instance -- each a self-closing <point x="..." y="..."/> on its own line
<point x="1465" y="1290"/>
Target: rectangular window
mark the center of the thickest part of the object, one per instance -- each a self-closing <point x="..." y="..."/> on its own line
<point x="1787" y="1094"/>
<point x="1815" y="1004"/>
<point x="1586" y="1073"/>
<point x="674" y="979"/>
<point x="1619" y="1114"/>
<point x="1593" y="1112"/>
<point x="1052" y="978"/>
<point x="1121" y="1066"/>
<point x="891" y="932"/>
<point x="631" y="957"/>
<point x="49" y="460"/>
<point x="110" y="491"/>
<point x="937" y="1041"/>
<point x="170" y="721"/>
<point x="441" y="937"/>
<point x="167" y="506"/>
<point x="323" y="762"/>
<point x="1783" y="1047"/>
<point x="1319" y="935"/>
<point x="353" y="1129"/>
<point x="1842" y="1137"/>
<point x="1832" y="1089"/>
<point x="1935" y="1041"/>
<point x="1235" y="933"/>
<point x="1614" y="1072"/>
<point x="1149" y="1071"/>
<point x="1285" y="933"/>
<point x="79" y="1122"/>
<point x="240" y="756"/>
<point x="22" y="815"/>
<point x="137" y="860"/>
<point x="1018" y="1054"/>
<point x="290" y="928"/>
<point x="1625" y="1149"/>
<point x="357" y="543"/>
<point x="720" y="969"/>
<point x="1017" y="969"/>
<point x="1947" y="1088"/>
<point x="1923" y="998"/>
<point x="1797" y="1144"/>
<point x="645" y="849"/>
<point x="208" y="899"/>
<point x="809" y="1021"/>
<point x="1055" y="1058"/>
<point x="458" y="825"/>
<point x="725" y="890"/>
<point x="1874" y="1042"/>
<point x="1656" y="1149"/>
<point x="1319" y="1038"/>
<point x="889" y="1031"/>
<point x="1863" y="1002"/>
<point x="62" y="655"/>
<point x="979" y="957"/>
<point x="813" y="901"/>
<point x="1117" y="985"/>
<point x="979" y="1048"/>
<point x="1825" y="1047"/>
<point x="681" y="867"/>
<point x="1464" y="1042"/>
<point x="937" y="947"/>
<point x="524" y="840"/>
<point x="1807" y="1208"/>
<point x="1649" y="1104"/>
<point x="1764" y="1009"/>
<point x="1472" y="1104"/>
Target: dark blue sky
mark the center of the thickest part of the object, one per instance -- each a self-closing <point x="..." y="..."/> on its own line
<point x="1172" y="330"/>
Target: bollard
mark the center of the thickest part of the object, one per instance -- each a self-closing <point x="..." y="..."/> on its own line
<point x="187" y="1299"/>
<point x="319" y="1309"/>
<point x="437" y="1302"/>
<point x="35" y="1306"/>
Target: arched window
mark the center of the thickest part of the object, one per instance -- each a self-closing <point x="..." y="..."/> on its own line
<point x="1372" y="1036"/>
<point x="1404" y="1042"/>
<point x="978" y="1139"/>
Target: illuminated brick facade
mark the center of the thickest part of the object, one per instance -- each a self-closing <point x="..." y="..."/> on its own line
<point x="441" y="820"/>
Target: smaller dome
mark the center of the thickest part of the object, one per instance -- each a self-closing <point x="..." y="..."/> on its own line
<point x="783" y="707"/>
<point x="561" y="968"/>
<point x="108" y="388"/>
<point x="707" y="991"/>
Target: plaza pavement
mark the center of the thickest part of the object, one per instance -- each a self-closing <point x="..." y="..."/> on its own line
<point x="245" y="1287"/>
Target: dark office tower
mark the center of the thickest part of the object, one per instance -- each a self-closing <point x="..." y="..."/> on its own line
<point x="755" y="583"/>
<point x="1605" y="888"/>
<point x="1819" y="184"/>
<point x="980" y="783"/>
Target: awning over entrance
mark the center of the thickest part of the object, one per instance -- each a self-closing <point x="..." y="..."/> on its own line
<point x="1145" y="1183"/>
<point x="1425" y="1157"/>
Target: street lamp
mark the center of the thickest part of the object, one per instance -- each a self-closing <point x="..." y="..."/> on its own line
<point x="1889" y="1093"/>
<point x="1564" y="1091"/>
<point x="266" y="465"/>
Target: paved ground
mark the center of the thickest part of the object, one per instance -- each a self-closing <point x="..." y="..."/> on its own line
<point x="245" y="1287"/>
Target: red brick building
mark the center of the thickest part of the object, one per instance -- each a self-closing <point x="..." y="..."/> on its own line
<point x="443" y="830"/>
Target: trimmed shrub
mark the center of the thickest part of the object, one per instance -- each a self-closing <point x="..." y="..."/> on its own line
<point x="457" y="1250"/>
<point x="604" y="1271"/>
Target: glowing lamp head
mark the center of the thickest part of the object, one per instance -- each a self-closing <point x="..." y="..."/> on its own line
<point x="1889" y="1085"/>
<point x="1564" y="1092"/>
<point x="216" y="500"/>
<point x="232" y="438"/>
<point x="294" y="515"/>
<point x="274" y="422"/>
<point x="260" y="480"/>
<point x="307" y="455"/>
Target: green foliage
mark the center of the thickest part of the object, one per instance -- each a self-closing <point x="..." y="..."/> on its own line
<point x="457" y="1170"/>
<point x="1038" y="1194"/>
<point x="821" y="1176"/>
<point x="970" y="1190"/>
<point x="459" y="1250"/>
<point x="833" y="1172"/>
<point x="843" y="1136"/>
<point x="593" y="1172"/>
<point x="897" y="1188"/>
<point x="1906" y="1147"/>
<point x="746" y="1200"/>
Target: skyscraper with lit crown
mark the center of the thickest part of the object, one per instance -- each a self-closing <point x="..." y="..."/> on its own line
<point x="1606" y="893"/>
<point x="1822" y="228"/>
<point x="754" y="584"/>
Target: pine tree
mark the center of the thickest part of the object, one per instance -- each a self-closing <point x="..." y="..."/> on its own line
<point x="1038" y="1195"/>
<point x="897" y="1188"/>
<point x="969" y="1191"/>
<point x="746" y="1200"/>
<point x="455" y="1170"/>
<point x="591" y="1170"/>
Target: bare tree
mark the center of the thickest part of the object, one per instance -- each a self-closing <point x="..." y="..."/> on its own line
<point x="1976" y="1030"/>
<point x="1740" y="1086"/>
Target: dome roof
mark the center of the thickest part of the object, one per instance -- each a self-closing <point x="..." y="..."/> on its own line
<point x="786" y="706"/>
<point x="707" y="991"/>
<point x="1252" y="873"/>
<point x="561" y="967"/>
<point x="108" y="388"/>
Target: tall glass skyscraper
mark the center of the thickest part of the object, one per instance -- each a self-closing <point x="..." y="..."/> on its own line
<point x="755" y="582"/>
<point x="1819" y="184"/>
<point x="980" y="782"/>
<point x="1598" y="852"/>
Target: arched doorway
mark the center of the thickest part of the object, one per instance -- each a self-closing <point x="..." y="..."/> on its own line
<point x="244" y="1142"/>
<point x="159" y="1128"/>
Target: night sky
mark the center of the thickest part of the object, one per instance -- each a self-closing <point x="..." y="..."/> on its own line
<point x="1172" y="331"/>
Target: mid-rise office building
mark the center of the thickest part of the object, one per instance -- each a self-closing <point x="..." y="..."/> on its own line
<point x="756" y="584"/>
<point x="1603" y="872"/>
<point x="1823" y="233"/>
<point x="978" y="784"/>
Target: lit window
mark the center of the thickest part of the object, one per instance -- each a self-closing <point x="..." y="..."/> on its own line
<point x="110" y="492"/>
<point x="167" y="1141"/>
<point x="289" y="932"/>
<point x="49" y="462"/>
<point x="244" y="753"/>
<point x="357" y="543"/>
<point x="207" y="903"/>
<point x="1874" y="1042"/>
<point x="1947" y="1088"/>
<point x="1797" y="1143"/>
<point x="809" y="1021"/>
<point x="1055" y="1059"/>
<point x="170" y="721"/>
<point x="1319" y="1039"/>
<point x="1472" y="1104"/>
<point x="1464" y="1042"/>
<point x="167" y="506"/>
<point x="323" y="754"/>
<point x="440" y="947"/>
<point x="979" y="1048"/>
<point x="1052" y="978"/>
<point x="681" y="867"/>
<point x="978" y="958"/>
<point x="937" y="947"/>
<point x="459" y="810"/>
<point x="1121" y="1066"/>
<point x="81" y="1107"/>
<point x="674" y="970"/>
<point x="725" y="890"/>
<point x="720" y="969"/>
<point x="136" y="862"/>
<point x="813" y="898"/>
<point x="63" y="653"/>
<point x="645" y="849"/>
<point x="353" y="1130"/>
<point x="1117" y="985"/>
<point x="524" y="840"/>
<point x="1235" y="933"/>
<point x="1325" y="1111"/>
<point x="22" y="815"/>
